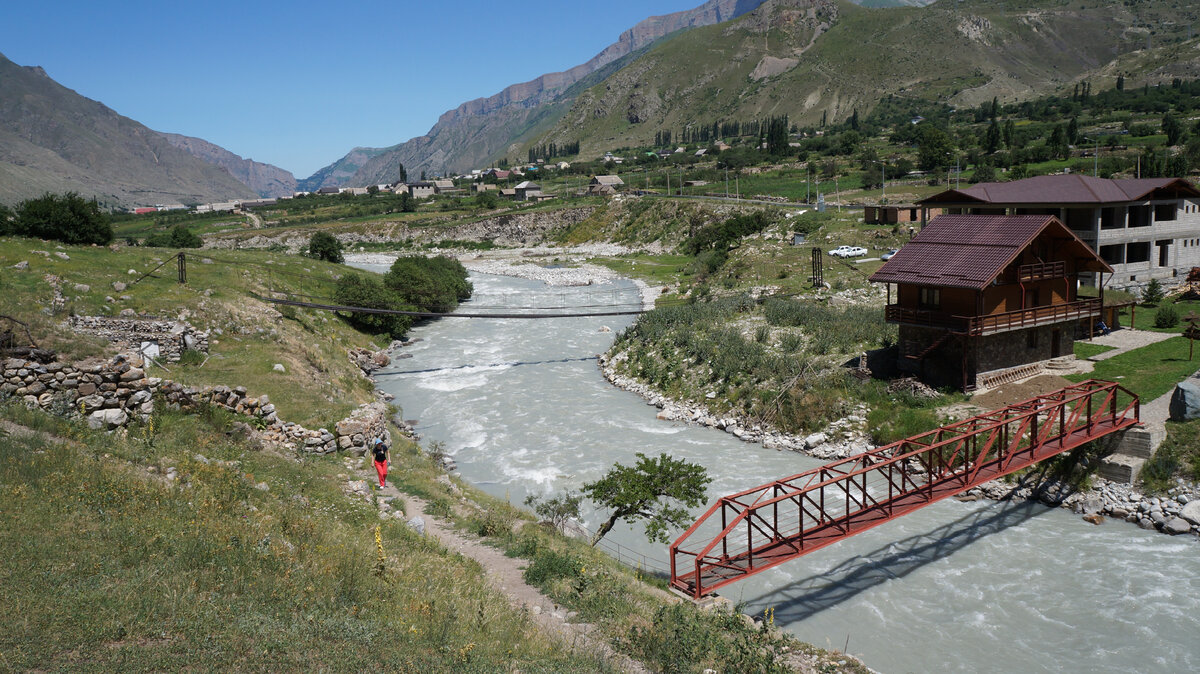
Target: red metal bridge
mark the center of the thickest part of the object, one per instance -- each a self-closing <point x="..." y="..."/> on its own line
<point x="763" y="527"/>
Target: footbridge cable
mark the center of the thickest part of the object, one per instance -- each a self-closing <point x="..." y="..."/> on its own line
<point x="441" y="314"/>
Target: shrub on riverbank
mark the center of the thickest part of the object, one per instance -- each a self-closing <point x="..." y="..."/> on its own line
<point x="791" y="377"/>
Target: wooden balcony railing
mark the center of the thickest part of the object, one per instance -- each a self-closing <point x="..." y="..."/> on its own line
<point x="1041" y="271"/>
<point x="983" y="325"/>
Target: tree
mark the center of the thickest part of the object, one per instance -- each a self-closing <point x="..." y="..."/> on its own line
<point x="992" y="139"/>
<point x="933" y="148"/>
<point x="487" y="199"/>
<point x="68" y="218"/>
<point x="1172" y="128"/>
<point x="1153" y="293"/>
<point x="984" y="173"/>
<point x="325" y="246"/>
<point x="372" y="189"/>
<point x="557" y="510"/>
<point x="178" y="237"/>
<point x="651" y="490"/>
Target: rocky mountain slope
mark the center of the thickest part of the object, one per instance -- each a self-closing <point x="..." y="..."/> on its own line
<point x="480" y="129"/>
<point x="265" y="179"/>
<point x="805" y="58"/>
<point x="52" y="139"/>
<point x="815" y="59"/>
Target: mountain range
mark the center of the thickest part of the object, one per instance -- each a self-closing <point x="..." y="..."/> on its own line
<point x="52" y="139"/>
<point x="813" y="60"/>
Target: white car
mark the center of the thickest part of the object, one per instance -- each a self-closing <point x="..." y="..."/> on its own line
<point x="848" y="251"/>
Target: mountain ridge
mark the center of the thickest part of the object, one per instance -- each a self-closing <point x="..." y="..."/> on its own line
<point x="446" y="145"/>
<point x="266" y="180"/>
<point x="52" y="139"/>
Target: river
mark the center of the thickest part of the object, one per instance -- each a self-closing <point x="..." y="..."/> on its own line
<point x="983" y="586"/>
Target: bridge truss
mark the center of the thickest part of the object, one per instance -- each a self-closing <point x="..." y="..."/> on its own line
<point x="760" y="528"/>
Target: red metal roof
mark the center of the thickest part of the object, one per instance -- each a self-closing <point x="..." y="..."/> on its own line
<point x="1064" y="189"/>
<point x="969" y="251"/>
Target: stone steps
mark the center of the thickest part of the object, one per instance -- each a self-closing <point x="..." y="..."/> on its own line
<point x="1121" y="468"/>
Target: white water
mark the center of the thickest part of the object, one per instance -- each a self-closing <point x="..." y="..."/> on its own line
<point x="986" y="587"/>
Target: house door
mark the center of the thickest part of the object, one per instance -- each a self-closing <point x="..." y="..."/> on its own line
<point x="1031" y="299"/>
<point x="1056" y="343"/>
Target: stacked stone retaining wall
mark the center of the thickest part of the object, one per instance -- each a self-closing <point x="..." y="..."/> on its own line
<point x="111" y="394"/>
<point x="172" y="337"/>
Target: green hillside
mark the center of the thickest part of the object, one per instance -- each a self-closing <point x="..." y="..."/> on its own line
<point x="820" y="60"/>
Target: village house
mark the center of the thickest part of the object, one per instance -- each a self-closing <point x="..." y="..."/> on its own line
<point x="445" y="187"/>
<point x="422" y="189"/>
<point x="329" y="190"/>
<point x="982" y="300"/>
<point x="530" y="191"/>
<point x="605" y="185"/>
<point x="896" y="214"/>
<point x="1144" y="228"/>
<point x="479" y="188"/>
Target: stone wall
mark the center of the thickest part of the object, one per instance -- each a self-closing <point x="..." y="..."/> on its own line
<point x="111" y="394"/>
<point x="172" y="337"/>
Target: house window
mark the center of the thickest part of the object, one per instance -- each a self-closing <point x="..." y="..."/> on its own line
<point x="1165" y="212"/>
<point x="1138" y="251"/>
<point x="931" y="298"/>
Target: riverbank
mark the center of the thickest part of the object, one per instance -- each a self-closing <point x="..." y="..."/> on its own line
<point x="562" y="267"/>
<point x="1176" y="513"/>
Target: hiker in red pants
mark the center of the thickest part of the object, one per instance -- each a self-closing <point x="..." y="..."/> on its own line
<point x="382" y="458"/>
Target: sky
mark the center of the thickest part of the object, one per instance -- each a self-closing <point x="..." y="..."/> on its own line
<point x="300" y="84"/>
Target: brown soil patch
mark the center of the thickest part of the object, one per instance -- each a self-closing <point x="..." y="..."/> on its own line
<point x="1016" y="392"/>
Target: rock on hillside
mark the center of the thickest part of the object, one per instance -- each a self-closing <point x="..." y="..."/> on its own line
<point x="266" y="180"/>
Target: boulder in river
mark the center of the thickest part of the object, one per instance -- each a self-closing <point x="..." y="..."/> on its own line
<point x="1176" y="526"/>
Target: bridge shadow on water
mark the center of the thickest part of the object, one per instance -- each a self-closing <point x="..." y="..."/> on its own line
<point x="808" y="597"/>
<point x="468" y="366"/>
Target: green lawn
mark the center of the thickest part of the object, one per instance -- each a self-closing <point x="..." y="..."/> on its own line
<point x="1149" y="371"/>
<point x="1144" y="315"/>
<point x="1087" y="350"/>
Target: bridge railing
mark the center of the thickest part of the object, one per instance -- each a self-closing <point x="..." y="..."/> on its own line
<point x="761" y="527"/>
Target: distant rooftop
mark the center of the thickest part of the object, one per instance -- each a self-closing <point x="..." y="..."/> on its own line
<point x="1065" y="189"/>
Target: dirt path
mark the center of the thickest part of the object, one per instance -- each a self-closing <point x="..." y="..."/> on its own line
<point x="504" y="574"/>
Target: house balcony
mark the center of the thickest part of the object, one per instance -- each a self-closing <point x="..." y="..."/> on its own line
<point x="995" y="323"/>
<point x="1041" y="271"/>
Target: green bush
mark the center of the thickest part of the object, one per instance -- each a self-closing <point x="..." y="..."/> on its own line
<point x="1166" y="317"/>
<point x="548" y="565"/>
<point x="430" y="283"/>
<point x="325" y="246"/>
<point x="68" y="218"/>
<point x="358" y="290"/>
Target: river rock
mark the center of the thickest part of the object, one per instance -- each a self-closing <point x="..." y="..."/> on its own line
<point x="278" y="367"/>
<point x="1185" y="401"/>
<point x="1177" y="526"/>
<point x="23" y="264"/>
<point x="1093" y="518"/>
<point x="118" y="286"/>
<point x="1191" y="512"/>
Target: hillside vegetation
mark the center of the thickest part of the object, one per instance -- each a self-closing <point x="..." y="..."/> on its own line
<point x="817" y="60"/>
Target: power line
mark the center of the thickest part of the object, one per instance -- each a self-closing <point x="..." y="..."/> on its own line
<point x="437" y="314"/>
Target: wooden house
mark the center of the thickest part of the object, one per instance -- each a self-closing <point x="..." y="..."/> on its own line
<point x="985" y="299"/>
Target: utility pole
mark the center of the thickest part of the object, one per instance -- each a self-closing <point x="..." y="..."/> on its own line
<point x="1096" y="160"/>
<point x="182" y="268"/>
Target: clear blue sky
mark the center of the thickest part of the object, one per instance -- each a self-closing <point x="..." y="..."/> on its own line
<point x="299" y="84"/>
